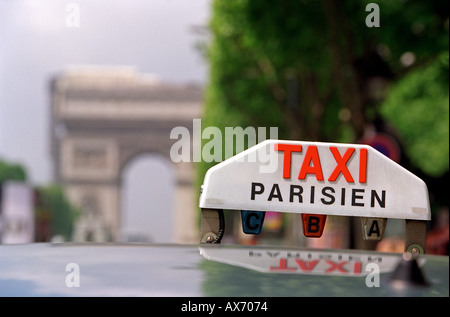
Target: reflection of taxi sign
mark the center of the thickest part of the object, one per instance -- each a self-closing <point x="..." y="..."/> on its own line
<point x="310" y="262"/>
<point x="315" y="178"/>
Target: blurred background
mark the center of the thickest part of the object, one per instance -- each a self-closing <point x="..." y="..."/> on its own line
<point x="124" y="60"/>
<point x="90" y="91"/>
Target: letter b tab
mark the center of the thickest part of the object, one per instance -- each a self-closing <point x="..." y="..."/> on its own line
<point x="313" y="225"/>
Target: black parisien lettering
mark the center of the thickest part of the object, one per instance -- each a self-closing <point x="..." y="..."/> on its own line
<point x="325" y="191"/>
<point x="355" y="197"/>
<point x="275" y="193"/>
<point x="296" y="190"/>
<point x="254" y="192"/>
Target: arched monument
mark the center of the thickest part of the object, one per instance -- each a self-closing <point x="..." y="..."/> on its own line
<point x="101" y="118"/>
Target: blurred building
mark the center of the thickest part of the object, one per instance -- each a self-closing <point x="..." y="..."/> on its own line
<point x="101" y="119"/>
<point x="17" y="214"/>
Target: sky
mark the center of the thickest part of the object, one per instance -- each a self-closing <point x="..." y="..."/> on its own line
<point x="41" y="38"/>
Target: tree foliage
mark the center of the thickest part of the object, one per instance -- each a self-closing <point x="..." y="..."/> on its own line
<point x="418" y="106"/>
<point x="54" y="205"/>
<point x="315" y="70"/>
<point x="11" y="171"/>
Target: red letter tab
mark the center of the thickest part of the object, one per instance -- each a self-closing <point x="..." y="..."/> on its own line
<point x="287" y="149"/>
<point x="313" y="225"/>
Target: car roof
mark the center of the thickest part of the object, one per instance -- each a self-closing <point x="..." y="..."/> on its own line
<point x="168" y="270"/>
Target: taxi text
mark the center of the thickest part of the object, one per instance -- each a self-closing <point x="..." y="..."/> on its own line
<point x="311" y="166"/>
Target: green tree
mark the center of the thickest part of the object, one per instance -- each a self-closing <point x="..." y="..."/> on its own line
<point x="299" y="64"/>
<point x="315" y="70"/>
<point x="53" y="205"/>
<point x="418" y="106"/>
<point x="11" y="171"/>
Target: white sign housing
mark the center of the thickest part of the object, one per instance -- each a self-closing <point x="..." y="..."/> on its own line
<point x="316" y="178"/>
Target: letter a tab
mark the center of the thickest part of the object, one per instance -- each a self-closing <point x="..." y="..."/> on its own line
<point x="373" y="228"/>
<point x="313" y="225"/>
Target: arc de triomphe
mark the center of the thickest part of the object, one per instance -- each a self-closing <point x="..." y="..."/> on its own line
<point x="101" y="119"/>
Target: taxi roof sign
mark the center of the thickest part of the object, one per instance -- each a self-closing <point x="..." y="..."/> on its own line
<point x="316" y="178"/>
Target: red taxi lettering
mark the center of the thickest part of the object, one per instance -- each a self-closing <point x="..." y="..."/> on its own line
<point x="311" y="163"/>
<point x="328" y="194"/>
<point x="311" y="156"/>
<point x="287" y="149"/>
<point x="362" y="165"/>
<point x="341" y="166"/>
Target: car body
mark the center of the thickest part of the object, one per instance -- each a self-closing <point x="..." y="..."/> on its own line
<point x="169" y="270"/>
